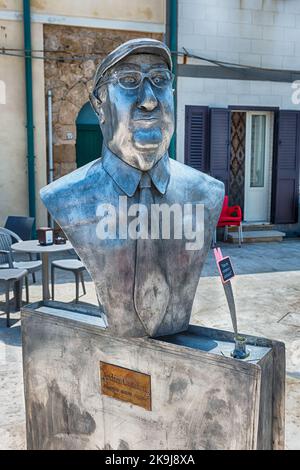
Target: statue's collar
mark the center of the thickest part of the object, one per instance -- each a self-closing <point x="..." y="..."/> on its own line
<point x="128" y="177"/>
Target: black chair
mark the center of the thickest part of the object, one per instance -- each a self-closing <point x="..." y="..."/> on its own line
<point x="20" y="225"/>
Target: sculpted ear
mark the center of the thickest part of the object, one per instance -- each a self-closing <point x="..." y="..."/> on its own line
<point x="96" y="104"/>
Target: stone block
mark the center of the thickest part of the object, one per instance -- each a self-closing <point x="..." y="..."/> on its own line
<point x="263" y="18"/>
<point x="278" y="6"/>
<point x="62" y="131"/>
<point x="78" y="95"/>
<point x="253" y="60"/>
<point x="67" y="168"/>
<point x="247" y="31"/>
<point x="65" y="153"/>
<point x="272" y="61"/>
<point x="89" y="68"/>
<point x="292" y="63"/>
<point x="285" y="19"/>
<point x="89" y="86"/>
<point x="204" y="27"/>
<point x="252" y="4"/>
<point x="274" y="33"/>
<point x="262" y="46"/>
<point x="70" y="73"/>
<point x="68" y="113"/>
<point x="57" y="172"/>
<point x="230" y="44"/>
<point x="85" y="389"/>
<point x="185" y="26"/>
<point x="59" y="93"/>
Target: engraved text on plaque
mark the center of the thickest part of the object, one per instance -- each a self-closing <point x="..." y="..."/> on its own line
<point x="126" y="385"/>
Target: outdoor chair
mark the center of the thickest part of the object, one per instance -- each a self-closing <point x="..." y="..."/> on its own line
<point x="13" y="277"/>
<point x="7" y="257"/>
<point x="72" y="265"/>
<point x="22" y="226"/>
<point x="230" y="216"/>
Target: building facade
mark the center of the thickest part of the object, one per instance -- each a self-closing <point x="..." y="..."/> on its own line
<point x="238" y="113"/>
<point x="69" y="39"/>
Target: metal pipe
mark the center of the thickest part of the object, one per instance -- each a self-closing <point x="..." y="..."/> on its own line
<point x="29" y="108"/>
<point x="172" y="41"/>
<point x="50" y="147"/>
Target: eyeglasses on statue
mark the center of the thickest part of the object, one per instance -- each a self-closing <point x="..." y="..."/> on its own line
<point x="132" y="79"/>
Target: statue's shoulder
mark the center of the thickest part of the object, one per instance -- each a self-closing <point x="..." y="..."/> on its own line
<point x="67" y="187"/>
<point x="196" y="184"/>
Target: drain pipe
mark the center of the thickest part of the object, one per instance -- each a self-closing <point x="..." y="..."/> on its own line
<point x="29" y="108"/>
<point x="172" y="41"/>
<point x="50" y="147"/>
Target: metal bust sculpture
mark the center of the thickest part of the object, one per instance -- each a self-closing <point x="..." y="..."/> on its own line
<point x="146" y="286"/>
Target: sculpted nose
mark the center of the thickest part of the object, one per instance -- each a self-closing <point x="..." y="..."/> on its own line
<point x="146" y="98"/>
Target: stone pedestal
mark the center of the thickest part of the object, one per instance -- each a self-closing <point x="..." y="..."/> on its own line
<point x="85" y="389"/>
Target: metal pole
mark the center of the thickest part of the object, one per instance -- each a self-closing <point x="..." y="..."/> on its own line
<point x="172" y="14"/>
<point x="50" y="147"/>
<point x="29" y="108"/>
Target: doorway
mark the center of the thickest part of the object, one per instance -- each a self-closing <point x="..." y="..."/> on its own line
<point x="257" y="167"/>
<point x="251" y="164"/>
<point x="89" y="136"/>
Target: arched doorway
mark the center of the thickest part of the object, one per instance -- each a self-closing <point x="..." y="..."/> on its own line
<point x="89" y="136"/>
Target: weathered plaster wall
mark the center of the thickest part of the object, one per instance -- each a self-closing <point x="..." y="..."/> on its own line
<point x="13" y="153"/>
<point x="137" y="10"/>
<point x="71" y="81"/>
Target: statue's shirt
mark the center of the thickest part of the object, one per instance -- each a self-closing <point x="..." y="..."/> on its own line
<point x="144" y="287"/>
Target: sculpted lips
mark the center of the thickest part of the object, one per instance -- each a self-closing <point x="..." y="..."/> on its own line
<point x="154" y="116"/>
<point x="146" y="121"/>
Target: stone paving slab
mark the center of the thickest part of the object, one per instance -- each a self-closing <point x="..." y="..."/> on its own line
<point x="267" y="293"/>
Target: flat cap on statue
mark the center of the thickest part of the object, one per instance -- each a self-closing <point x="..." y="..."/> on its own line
<point x="134" y="46"/>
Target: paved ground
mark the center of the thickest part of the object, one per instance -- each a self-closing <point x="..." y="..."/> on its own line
<point x="267" y="291"/>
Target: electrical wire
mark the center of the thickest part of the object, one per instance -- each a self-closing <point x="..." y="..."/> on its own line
<point x="46" y="58"/>
<point x="72" y="56"/>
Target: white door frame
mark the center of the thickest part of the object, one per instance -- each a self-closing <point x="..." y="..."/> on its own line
<point x="256" y="196"/>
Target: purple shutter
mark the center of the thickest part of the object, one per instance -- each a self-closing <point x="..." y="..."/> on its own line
<point x="219" y="145"/>
<point x="286" y="168"/>
<point x="196" y="137"/>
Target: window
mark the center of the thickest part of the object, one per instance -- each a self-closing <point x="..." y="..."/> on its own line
<point x="258" y="143"/>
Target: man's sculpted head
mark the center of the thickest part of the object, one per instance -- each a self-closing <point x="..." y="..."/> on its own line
<point x="134" y="101"/>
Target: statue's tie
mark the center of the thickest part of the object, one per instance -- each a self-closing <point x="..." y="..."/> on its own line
<point x="151" y="291"/>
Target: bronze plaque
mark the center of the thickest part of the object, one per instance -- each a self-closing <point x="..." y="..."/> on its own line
<point x="126" y="385"/>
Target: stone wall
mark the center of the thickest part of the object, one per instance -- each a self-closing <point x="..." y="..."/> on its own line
<point x="71" y="79"/>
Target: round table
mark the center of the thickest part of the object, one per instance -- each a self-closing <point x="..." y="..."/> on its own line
<point x="33" y="246"/>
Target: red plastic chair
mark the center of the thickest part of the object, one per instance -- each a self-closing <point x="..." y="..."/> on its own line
<point x="231" y="216"/>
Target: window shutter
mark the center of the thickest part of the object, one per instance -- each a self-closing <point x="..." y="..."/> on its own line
<point x="285" y="197"/>
<point x="219" y="145"/>
<point x="196" y="137"/>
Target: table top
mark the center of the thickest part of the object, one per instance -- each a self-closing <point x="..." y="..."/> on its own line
<point x="33" y="246"/>
<point x="11" y="274"/>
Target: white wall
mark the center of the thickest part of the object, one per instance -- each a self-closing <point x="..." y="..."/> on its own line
<point x="223" y="93"/>
<point x="252" y="32"/>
